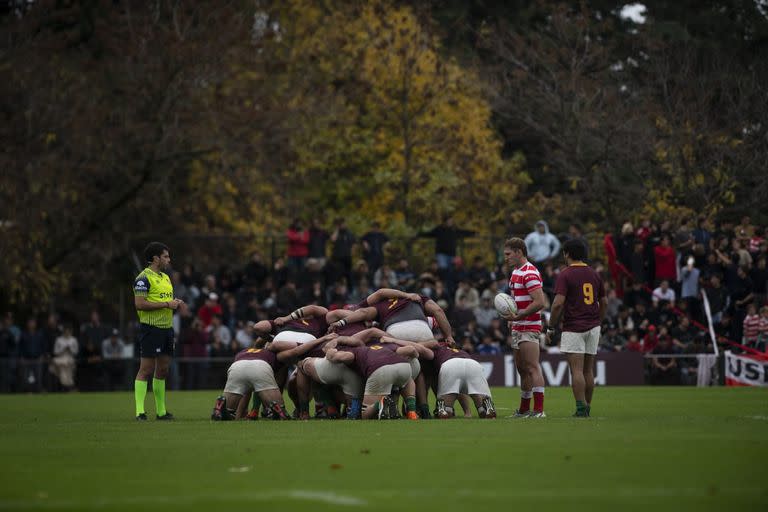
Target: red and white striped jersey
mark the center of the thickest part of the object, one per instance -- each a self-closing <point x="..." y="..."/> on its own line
<point x="523" y="281"/>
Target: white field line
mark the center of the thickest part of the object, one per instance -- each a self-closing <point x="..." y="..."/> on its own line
<point x="342" y="498"/>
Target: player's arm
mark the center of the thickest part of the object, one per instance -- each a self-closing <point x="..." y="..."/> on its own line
<point x="423" y="349"/>
<point x="361" y="315"/>
<point x="340" y="356"/>
<point x="350" y="341"/>
<point x="557" y="311"/>
<point x="539" y="302"/>
<point x="390" y="293"/>
<point x="296" y="352"/>
<point x="310" y="311"/>
<point x="433" y="309"/>
<point x="336" y="315"/>
<point x="407" y="352"/>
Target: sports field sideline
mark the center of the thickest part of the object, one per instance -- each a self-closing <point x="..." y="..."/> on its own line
<point x="643" y="449"/>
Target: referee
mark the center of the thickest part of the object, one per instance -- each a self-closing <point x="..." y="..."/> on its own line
<point x="153" y="296"/>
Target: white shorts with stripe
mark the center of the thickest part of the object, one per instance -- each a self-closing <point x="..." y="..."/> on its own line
<point x="250" y="374"/>
<point x="462" y="376"/>
<point x="580" y="342"/>
<point x="380" y="382"/>
<point x="338" y="374"/>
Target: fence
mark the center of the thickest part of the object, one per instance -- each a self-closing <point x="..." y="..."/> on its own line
<point x="612" y="369"/>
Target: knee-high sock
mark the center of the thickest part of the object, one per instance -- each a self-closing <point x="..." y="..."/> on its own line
<point x="139" y="394"/>
<point x="158" y="389"/>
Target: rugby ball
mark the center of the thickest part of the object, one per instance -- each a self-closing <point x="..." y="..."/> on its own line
<point x="505" y="305"/>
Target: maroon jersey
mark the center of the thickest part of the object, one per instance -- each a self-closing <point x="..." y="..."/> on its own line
<point x="391" y="311"/>
<point x="316" y="351"/>
<point x="370" y="358"/>
<point x="583" y="289"/>
<point x="260" y="354"/>
<point x="316" y="326"/>
<point x="445" y="353"/>
<point x="352" y="329"/>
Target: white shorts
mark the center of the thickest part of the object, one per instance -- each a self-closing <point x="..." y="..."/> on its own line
<point x="580" y="342"/>
<point x="519" y="337"/>
<point x="381" y="381"/>
<point x="462" y="376"/>
<point x="246" y="375"/>
<point x="294" y="336"/>
<point x="338" y="374"/>
<point x="411" y="330"/>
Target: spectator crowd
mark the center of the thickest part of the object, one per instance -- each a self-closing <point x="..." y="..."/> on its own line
<point x="654" y="286"/>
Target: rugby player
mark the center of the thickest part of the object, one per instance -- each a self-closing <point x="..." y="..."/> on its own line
<point x="525" y="327"/>
<point x="254" y="370"/>
<point x="381" y="368"/>
<point x="456" y="373"/>
<point x="580" y="302"/>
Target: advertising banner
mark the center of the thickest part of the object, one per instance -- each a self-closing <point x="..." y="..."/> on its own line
<point x="745" y="371"/>
<point x="613" y="369"/>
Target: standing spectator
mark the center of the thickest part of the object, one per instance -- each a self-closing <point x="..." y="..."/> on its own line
<point x="756" y="242"/>
<point x="625" y="245"/>
<point x="665" y="260"/>
<point x="114" y="364"/>
<point x="32" y="351"/>
<point x="762" y="336"/>
<point x="385" y="277"/>
<point x="663" y="293"/>
<point x="745" y="230"/>
<point x="664" y="370"/>
<point x="94" y="331"/>
<point x="751" y="326"/>
<point x="541" y="244"/>
<point x="702" y="235"/>
<point x="742" y="296"/>
<point x="341" y="253"/>
<point x="255" y="271"/>
<point x="739" y="254"/>
<point x="684" y="239"/>
<point x="406" y="278"/>
<point x="9" y="350"/>
<point x="576" y="233"/>
<point x="375" y="243"/>
<point x="689" y="280"/>
<point x="446" y="237"/>
<point x="63" y="363"/>
<point x="244" y="334"/>
<point x="298" y="246"/>
<point x="461" y="315"/>
<point x="231" y="314"/>
<point x="189" y="294"/>
<point x="759" y="277"/>
<point x="209" y="309"/>
<point x="717" y="297"/>
<point x="637" y="263"/>
<point x="318" y="239"/>
<point x="51" y="331"/>
<point x="287" y="298"/>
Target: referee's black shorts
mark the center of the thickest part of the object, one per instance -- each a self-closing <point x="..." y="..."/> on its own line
<point x="155" y="341"/>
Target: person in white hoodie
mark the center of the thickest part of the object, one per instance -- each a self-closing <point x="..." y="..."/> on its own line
<point x="541" y="244"/>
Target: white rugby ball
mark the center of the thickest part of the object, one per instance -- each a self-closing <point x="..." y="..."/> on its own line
<point x="505" y="305"/>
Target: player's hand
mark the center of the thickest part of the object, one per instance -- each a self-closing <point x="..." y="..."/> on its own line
<point x="281" y="320"/>
<point x="415" y="297"/>
<point x="330" y="336"/>
<point x="335" y="326"/>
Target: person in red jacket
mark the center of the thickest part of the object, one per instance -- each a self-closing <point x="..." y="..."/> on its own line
<point x="298" y="246"/>
<point x="665" y="260"/>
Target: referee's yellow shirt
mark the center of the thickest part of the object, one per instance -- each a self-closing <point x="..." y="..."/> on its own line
<point x="156" y="287"/>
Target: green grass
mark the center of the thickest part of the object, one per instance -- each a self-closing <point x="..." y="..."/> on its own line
<point x="644" y="448"/>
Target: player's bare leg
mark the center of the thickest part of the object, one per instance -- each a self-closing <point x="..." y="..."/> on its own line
<point x="372" y="405"/>
<point x="445" y="404"/>
<point x="525" y="386"/>
<point x="484" y="406"/>
<point x="529" y="355"/>
<point x="589" y="379"/>
<point x="466" y="405"/>
<point x="578" y="384"/>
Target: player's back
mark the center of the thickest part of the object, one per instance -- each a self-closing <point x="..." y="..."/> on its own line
<point x="583" y="289"/>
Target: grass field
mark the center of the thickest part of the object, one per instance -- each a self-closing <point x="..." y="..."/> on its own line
<point x="644" y="448"/>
